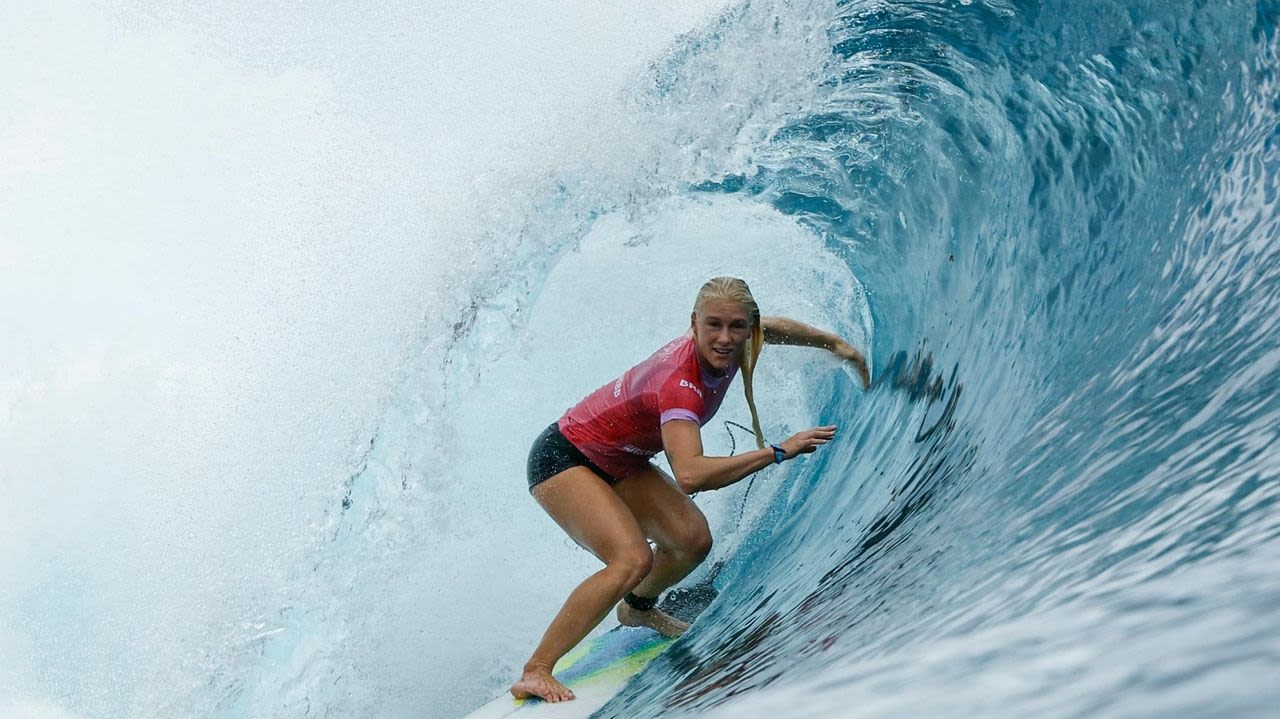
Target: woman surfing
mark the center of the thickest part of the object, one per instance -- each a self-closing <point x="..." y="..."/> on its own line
<point x="591" y="472"/>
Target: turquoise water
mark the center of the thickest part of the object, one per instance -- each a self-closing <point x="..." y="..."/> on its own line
<point x="295" y="291"/>
<point x="1055" y="228"/>
<point x="1060" y="497"/>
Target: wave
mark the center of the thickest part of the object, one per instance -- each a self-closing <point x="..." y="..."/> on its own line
<point x="1065" y="217"/>
<point x="1053" y="227"/>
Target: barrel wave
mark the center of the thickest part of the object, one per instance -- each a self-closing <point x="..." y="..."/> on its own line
<point x="1059" y="495"/>
<point x="1053" y="226"/>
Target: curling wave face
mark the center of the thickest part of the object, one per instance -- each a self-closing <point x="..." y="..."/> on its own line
<point x="1054" y="226"/>
<point x="1060" y="495"/>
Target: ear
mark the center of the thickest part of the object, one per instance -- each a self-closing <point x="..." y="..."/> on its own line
<point x="693" y="321"/>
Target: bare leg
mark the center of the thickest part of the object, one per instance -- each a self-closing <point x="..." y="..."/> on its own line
<point x="679" y="530"/>
<point x="596" y="518"/>
<point x="669" y="567"/>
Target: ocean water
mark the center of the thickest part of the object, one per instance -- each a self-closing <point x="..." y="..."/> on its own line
<point x="287" y="295"/>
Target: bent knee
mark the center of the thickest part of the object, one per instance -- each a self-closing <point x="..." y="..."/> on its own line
<point x="693" y="543"/>
<point x="633" y="564"/>
<point x="698" y="544"/>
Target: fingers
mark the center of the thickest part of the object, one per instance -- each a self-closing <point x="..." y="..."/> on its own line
<point x="808" y="441"/>
<point x="822" y="433"/>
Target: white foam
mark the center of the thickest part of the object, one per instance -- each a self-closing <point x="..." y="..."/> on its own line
<point x="219" y="233"/>
<point x="34" y="709"/>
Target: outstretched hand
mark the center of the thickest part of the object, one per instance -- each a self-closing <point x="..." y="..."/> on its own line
<point x="808" y="441"/>
<point x="846" y="352"/>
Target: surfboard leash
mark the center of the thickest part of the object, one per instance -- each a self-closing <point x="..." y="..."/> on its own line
<point x="733" y="449"/>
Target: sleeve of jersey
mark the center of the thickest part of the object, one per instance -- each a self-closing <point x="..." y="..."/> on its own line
<point x="679" y="398"/>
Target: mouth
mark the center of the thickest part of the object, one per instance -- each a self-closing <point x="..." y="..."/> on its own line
<point x="723" y="352"/>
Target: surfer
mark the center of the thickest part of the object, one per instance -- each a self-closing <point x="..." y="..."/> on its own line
<point x="590" y="470"/>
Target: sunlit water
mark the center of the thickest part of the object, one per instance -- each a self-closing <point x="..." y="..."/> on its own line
<point x="292" y="483"/>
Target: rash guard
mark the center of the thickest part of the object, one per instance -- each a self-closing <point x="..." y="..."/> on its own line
<point x="619" y="426"/>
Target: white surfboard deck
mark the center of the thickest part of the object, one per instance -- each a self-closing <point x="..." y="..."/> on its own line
<point x="595" y="671"/>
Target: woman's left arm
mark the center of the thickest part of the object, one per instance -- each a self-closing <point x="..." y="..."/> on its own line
<point x="786" y="331"/>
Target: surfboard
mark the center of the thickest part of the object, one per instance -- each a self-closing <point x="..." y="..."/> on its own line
<point x="595" y="671"/>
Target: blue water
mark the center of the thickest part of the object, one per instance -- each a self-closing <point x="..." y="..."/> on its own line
<point x="1060" y="496"/>
<point x="354" y="267"/>
<point x="1054" y="226"/>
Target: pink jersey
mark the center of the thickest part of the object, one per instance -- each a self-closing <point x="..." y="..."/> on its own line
<point x="619" y="426"/>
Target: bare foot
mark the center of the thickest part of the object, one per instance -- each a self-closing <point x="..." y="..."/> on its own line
<point x="656" y="619"/>
<point x="538" y="682"/>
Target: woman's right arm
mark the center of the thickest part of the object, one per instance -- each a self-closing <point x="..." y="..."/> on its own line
<point x="696" y="472"/>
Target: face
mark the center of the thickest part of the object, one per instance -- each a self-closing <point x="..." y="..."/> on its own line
<point x="720" y="330"/>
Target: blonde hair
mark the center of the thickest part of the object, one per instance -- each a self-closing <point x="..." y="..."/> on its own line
<point x="735" y="290"/>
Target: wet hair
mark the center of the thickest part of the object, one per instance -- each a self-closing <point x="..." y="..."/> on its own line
<point x="735" y="290"/>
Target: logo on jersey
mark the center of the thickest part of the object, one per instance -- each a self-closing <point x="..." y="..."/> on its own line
<point x="636" y="450"/>
<point x="617" y="388"/>
<point x="692" y="386"/>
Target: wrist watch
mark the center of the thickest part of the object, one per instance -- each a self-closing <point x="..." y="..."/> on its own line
<point x="778" y="454"/>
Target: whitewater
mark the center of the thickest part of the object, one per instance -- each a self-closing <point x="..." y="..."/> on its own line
<point x="286" y="293"/>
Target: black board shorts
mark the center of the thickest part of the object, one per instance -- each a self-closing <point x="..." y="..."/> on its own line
<point x="552" y="454"/>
